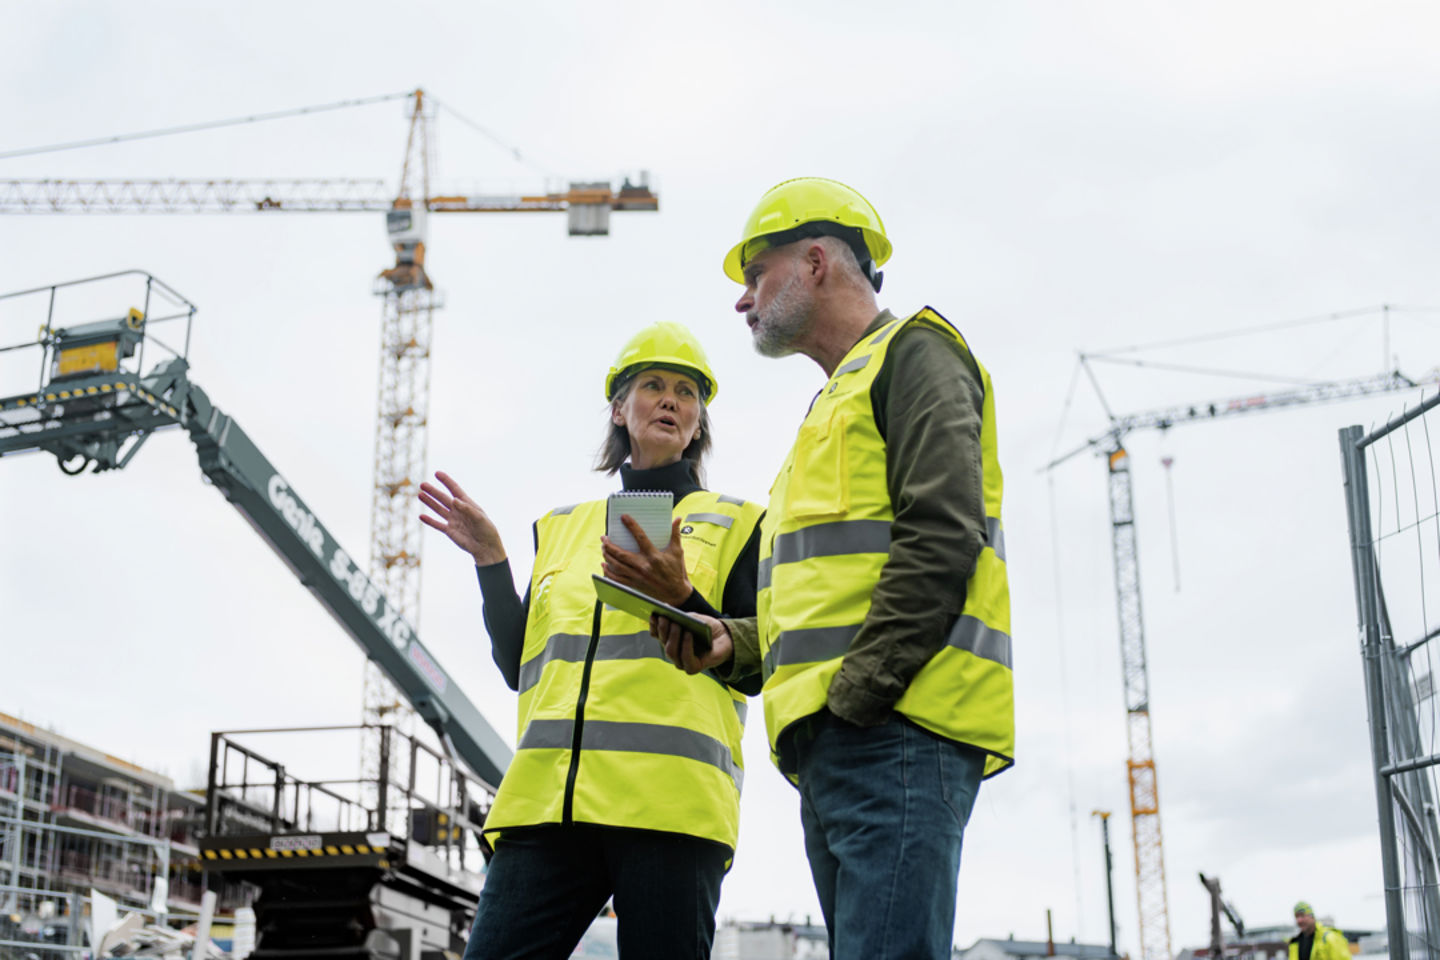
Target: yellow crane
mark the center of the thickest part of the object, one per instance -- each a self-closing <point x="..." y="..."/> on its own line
<point x="407" y="291"/>
<point x="1150" y="890"/>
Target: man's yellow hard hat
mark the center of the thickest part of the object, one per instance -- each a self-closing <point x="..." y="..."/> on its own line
<point x="811" y="206"/>
<point x="666" y="344"/>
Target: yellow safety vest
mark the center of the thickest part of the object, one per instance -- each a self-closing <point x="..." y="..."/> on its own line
<point x="1329" y="944"/>
<point x="823" y="544"/>
<point x="609" y="731"/>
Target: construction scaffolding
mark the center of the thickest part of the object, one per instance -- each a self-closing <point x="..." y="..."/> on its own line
<point x="75" y="821"/>
<point x="1393" y="503"/>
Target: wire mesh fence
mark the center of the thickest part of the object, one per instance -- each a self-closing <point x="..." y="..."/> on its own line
<point x="1393" y="503"/>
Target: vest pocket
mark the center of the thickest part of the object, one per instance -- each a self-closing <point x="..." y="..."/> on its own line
<point x="703" y="576"/>
<point x="537" y="623"/>
<point x="820" y="482"/>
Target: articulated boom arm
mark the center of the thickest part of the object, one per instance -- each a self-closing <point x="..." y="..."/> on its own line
<point x="104" y="416"/>
<point x="254" y="487"/>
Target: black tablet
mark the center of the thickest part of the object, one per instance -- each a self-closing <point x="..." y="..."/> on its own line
<point x="642" y="605"/>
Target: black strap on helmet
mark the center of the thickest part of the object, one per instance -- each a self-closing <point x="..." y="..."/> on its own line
<point x="853" y="238"/>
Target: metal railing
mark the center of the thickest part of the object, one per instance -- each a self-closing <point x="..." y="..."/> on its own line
<point x="423" y="797"/>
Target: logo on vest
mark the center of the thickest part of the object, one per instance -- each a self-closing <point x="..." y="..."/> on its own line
<point x="687" y="530"/>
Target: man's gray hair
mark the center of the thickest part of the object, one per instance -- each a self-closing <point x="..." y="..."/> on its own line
<point x="842" y="258"/>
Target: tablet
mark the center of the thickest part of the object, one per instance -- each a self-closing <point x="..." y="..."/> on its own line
<point x="641" y="605"/>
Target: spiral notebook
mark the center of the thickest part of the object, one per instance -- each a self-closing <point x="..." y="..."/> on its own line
<point x="649" y="508"/>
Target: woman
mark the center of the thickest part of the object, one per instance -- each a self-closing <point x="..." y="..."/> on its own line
<point x="626" y="778"/>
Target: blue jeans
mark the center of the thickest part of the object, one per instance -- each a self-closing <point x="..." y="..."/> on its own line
<point x="884" y="811"/>
<point x="546" y="884"/>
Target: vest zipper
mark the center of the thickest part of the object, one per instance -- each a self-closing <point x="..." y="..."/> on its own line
<point x="567" y="816"/>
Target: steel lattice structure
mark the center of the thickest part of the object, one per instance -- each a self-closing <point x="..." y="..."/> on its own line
<point x="313" y="195"/>
<point x="1144" y="787"/>
<point x="401" y="421"/>
<point x="401" y="418"/>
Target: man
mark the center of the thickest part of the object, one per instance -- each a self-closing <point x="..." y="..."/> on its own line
<point x="1315" y="941"/>
<point x="883" y="614"/>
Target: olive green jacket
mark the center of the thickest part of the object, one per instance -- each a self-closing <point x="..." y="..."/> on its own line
<point x="927" y="404"/>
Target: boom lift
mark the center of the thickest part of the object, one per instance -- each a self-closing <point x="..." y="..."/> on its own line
<point x="406" y="289"/>
<point x="93" y="407"/>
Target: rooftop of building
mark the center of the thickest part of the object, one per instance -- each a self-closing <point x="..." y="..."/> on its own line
<point x="97" y="763"/>
<point x="1039" y="948"/>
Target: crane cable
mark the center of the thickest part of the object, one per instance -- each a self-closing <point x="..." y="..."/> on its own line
<point x="1204" y="371"/>
<point x="1266" y="328"/>
<point x="210" y="125"/>
<point x="493" y="138"/>
<point x="1065" y="706"/>
<point x="1167" y="462"/>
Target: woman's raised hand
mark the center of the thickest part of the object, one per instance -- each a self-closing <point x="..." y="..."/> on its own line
<point x="462" y="520"/>
<point x="660" y="573"/>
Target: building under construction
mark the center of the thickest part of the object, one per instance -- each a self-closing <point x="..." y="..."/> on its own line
<point x="327" y="873"/>
<point x="75" y="819"/>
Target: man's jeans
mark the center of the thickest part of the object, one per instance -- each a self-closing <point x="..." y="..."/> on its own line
<point x="546" y="884"/>
<point x="884" y="810"/>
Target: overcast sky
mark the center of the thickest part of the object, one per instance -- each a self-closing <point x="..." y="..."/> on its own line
<point x="1054" y="177"/>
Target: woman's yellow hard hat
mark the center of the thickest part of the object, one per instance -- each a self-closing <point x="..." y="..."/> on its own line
<point x="666" y="344"/>
<point x="826" y="207"/>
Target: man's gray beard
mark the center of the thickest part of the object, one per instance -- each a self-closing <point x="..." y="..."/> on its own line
<point x="787" y="318"/>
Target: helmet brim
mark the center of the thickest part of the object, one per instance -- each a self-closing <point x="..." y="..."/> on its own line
<point x="708" y="386"/>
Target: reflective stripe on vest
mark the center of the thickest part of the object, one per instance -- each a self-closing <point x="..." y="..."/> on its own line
<point x="720" y="520"/>
<point x="995" y="534"/>
<point x="826" y="540"/>
<point x="824" y="543"/>
<point x="634" y="738"/>
<point x="817" y="644"/>
<point x="658" y="749"/>
<point x="572" y="648"/>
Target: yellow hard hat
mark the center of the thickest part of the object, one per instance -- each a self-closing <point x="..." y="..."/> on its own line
<point x="665" y="344"/>
<point x="807" y="207"/>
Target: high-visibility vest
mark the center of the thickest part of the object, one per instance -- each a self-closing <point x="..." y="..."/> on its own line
<point x="609" y="731"/>
<point x="823" y="544"/>
<point x="1329" y="944"/>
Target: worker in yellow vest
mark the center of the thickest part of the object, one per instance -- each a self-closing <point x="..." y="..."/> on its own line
<point x="627" y="772"/>
<point x="1315" y="941"/>
<point x="883" y="629"/>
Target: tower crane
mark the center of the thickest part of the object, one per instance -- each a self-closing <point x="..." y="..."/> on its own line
<point x="1150" y="894"/>
<point x="406" y="290"/>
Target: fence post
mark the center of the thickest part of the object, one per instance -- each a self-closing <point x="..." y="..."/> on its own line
<point x="1367" y="603"/>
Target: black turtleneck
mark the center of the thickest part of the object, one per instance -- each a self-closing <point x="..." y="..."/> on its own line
<point x="678" y="478"/>
<point x="505" y="612"/>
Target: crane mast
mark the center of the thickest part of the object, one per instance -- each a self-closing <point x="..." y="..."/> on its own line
<point x="1140" y="764"/>
<point x="401" y="418"/>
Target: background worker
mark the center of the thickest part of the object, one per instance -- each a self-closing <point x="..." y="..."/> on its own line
<point x="626" y="776"/>
<point x="883" y="627"/>
<point x="1315" y="941"/>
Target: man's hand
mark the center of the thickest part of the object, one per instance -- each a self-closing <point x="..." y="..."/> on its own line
<point x="660" y="573"/>
<point x="679" y="643"/>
